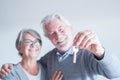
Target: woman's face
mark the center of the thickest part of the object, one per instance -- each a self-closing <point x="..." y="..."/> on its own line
<point x="30" y="47"/>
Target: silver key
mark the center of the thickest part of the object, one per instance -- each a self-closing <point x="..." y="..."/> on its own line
<point x="75" y="50"/>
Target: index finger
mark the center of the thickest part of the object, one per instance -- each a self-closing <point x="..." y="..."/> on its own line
<point x="80" y="36"/>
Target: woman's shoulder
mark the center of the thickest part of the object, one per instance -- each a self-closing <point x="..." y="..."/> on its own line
<point x="16" y="74"/>
<point x="12" y="74"/>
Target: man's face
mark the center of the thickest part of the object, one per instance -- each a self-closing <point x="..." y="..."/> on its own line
<point x="60" y="34"/>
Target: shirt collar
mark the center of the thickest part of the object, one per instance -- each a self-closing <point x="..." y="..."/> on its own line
<point x="69" y="52"/>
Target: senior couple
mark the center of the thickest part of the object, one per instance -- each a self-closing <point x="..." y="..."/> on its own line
<point x="91" y="59"/>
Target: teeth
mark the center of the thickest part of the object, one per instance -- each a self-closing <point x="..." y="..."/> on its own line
<point x="61" y="39"/>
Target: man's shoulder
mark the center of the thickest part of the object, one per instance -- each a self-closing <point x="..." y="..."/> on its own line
<point x="50" y="53"/>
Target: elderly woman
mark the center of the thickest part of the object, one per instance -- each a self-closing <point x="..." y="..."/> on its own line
<point x="28" y="44"/>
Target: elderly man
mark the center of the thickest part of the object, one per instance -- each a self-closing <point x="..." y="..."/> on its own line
<point x="87" y="61"/>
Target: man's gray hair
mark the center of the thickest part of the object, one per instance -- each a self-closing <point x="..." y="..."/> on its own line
<point x="32" y="32"/>
<point x="47" y="19"/>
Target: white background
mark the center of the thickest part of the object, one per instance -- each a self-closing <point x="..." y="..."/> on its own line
<point x="102" y="16"/>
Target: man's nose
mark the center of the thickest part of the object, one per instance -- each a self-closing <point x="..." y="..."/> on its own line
<point x="58" y="34"/>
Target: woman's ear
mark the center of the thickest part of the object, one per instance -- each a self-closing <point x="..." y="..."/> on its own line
<point x="19" y="48"/>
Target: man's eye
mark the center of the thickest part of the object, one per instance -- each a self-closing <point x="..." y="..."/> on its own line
<point x="61" y="28"/>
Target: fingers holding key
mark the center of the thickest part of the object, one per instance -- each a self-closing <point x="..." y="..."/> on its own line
<point x="89" y="40"/>
<point x="82" y="38"/>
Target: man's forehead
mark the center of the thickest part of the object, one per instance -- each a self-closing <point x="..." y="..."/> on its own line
<point x="54" y="24"/>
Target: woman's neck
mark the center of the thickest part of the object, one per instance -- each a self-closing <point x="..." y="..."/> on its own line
<point x="31" y="66"/>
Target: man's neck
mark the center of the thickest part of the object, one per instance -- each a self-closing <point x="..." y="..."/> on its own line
<point x="63" y="52"/>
